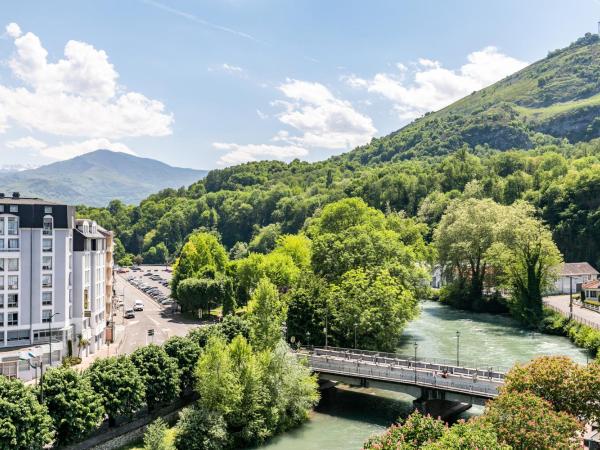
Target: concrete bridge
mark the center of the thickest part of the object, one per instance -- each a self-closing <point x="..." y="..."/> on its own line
<point x="432" y="382"/>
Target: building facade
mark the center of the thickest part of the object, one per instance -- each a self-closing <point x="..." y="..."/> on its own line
<point x="572" y="276"/>
<point x="52" y="282"/>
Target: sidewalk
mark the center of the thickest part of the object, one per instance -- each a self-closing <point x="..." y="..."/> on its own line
<point x="560" y="303"/>
<point x="106" y="350"/>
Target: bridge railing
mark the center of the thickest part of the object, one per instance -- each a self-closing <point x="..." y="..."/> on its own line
<point x="487" y="388"/>
<point x="435" y="364"/>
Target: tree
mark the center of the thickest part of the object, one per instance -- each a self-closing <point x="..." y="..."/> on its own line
<point x="24" y="422"/>
<point x="155" y="437"/>
<point x="232" y="326"/>
<point x="265" y="238"/>
<point x="76" y="409"/>
<point x="266" y="314"/>
<point x="186" y="352"/>
<point x="525" y="421"/>
<point x="526" y="260"/>
<point x="201" y="429"/>
<point x="465" y="234"/>
<point x="373" y="306"/>
<point x="566" y="385"/>
<point x="217" y="383"/>
<point x="308" y="309"/>
<point x="473" y="434"/>
<point x="159" y="372"/>
<point x="119" y="384"/>
<point x="412" y="434"/>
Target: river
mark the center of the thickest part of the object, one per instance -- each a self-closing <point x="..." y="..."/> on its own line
<point x="345" y="417"/>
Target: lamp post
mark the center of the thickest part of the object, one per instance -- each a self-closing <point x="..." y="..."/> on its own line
<point x="308" y="339"/>
<point x="416" y="345"/>
<point x="355" y="327"/>
<point x="458" y="348"/>
<point x="326" y="329"/>
<point x="50" y="334"/>
<point x="570" y="298"/>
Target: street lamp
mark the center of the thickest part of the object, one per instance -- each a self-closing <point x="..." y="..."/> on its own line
<point x="457" y="348"/>
<point x="416" y="345"/>
<point x="50" y="334"/>
<point x="308" y="339"/>
<point x="570" y="298"/>
<point x="326" y="329"/>
<point x="355" y="327"/>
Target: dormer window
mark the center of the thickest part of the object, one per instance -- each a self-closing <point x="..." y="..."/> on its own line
<point x="14" y="208"/>
<point x="47" y="209"/>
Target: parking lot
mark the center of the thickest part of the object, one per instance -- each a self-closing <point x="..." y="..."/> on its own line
<point x="161" y="318"/>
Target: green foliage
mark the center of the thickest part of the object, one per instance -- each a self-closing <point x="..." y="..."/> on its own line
<point x="155" y="437"/>
<point x="199" y="429"/>
<point x="473" y="434"/>
<point x="232" y="326"/>
<point x="525" y="421"/>
<point x="412" y="434"/>
<point x="372" y="305"/>
<point x="265" y="238"/>
<point x="76" y="409"/>
<point x="566" y="385"/>
<point x="159" y="373"/>
<point x="119" y="384"/>
<point x="186" y="352"/>
<point x="257" y="394"/>
<point x="266" y="314"/>
<point x="24" y="422"/>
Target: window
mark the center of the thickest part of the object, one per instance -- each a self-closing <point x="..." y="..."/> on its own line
<point x="1" y="282"/>
<point x="47" y="245"/>
<point x="14" y="208"/>
<point x="47" y="281"/>
<point x="13" y="264"/>
<point x="1" y="208"/>
<point x="1" y="226"/>
<point x="13" y="300"/>
<point x="1" y="300"/>
<point x="47" y="226"/>
<point x="47" y="209"/>
<point x="46" y="315"/>
<point x="46" y="298"/>
<point x="1" y="265"/>
<point x="13" y="226"/>
<point x="17" y="335"/>
<point x="13" y="244"/>
<point x="47" y="262"/>
<point x="1" y="244"/>
<point x="13" y="319"/>
<point x="13" y="282"/>
<point x="1" y="319"/>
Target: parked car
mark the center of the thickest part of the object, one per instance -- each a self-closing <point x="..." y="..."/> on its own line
<point x="138" y="305"/>
<point x="130" y="314"/>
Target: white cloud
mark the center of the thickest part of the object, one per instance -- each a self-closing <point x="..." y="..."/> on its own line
<point x="66" y="150"/>
<point x="76" y="96"/>
<point x="237" y="153"/>
<point x="229" y="69"/>
<point x="432" y="87"/>
<point x="317" y="119"/>
<point x="323" y="120"/>
<point x="261" y="114"/>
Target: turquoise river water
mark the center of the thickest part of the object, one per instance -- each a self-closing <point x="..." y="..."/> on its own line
<point x="345" y="417"/>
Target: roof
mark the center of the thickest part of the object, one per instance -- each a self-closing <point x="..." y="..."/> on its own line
<point x="592" y="284"/>
<point x="8" y="200"/>
<point x="578" y="268"/>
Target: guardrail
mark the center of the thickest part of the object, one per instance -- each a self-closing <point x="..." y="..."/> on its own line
<point x="383" y="371"/>
<point x="575" y="316"/>
<point x="439" y="364"/>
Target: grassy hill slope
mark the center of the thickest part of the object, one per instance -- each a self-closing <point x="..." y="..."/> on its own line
<point x="555" y="98"/>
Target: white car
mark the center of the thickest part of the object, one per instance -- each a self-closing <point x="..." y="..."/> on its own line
<point x="138" y="305"/>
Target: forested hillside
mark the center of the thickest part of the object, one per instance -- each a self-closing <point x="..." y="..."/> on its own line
<point x="532" y="136"/>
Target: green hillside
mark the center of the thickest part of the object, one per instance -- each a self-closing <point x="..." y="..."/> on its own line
<point x="555" y="98"/>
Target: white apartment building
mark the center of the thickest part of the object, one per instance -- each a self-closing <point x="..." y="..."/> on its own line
<point x="52" y="275"/>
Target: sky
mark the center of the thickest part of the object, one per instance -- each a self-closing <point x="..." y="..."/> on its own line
<point x="208" y="84"/>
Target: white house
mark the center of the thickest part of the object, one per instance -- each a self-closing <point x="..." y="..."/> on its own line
<point x="572" y="276"/>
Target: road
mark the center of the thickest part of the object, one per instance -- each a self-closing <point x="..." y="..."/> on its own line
<point x="153" y="317"/>
<point x="582" y="315"/>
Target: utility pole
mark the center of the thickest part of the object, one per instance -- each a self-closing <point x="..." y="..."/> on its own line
<point x="457" y="348"/>
<point x="355" y="327"/>
<point x="570" y="298"/>
<point x="326" y="328"/>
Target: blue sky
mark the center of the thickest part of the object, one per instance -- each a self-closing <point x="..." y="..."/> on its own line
<point x="206" y="84"/>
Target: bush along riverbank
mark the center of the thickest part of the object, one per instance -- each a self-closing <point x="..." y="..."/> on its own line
<point x="581" y="335"/>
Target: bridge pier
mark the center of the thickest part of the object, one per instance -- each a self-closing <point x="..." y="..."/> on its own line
<point x="433" y="402"/>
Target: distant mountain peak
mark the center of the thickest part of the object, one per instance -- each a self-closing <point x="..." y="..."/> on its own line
<point x="97" y="177"/>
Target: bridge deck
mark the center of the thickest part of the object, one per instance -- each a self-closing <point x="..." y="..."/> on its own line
<point x="479" y="383"/>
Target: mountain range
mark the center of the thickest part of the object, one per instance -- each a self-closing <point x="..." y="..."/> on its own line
<point x="98" y="177"/>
